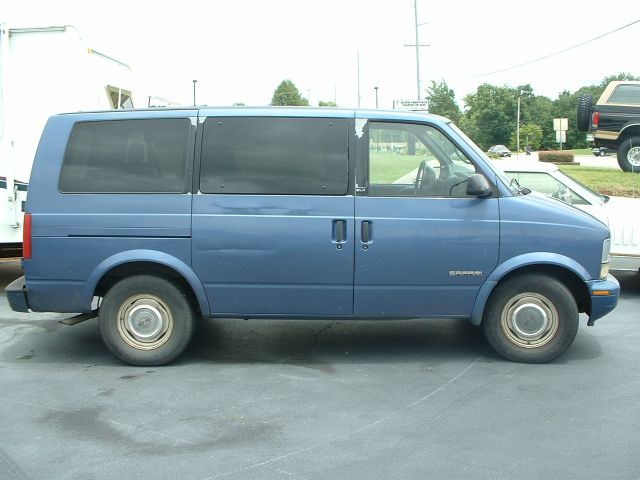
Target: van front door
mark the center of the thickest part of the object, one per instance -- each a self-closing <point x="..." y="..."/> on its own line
<point x="273" y="228"/>
<point x="423" y="247"/>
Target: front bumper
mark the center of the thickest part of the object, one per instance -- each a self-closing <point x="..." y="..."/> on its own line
<point x="17" y="295"/>
<point x="604" y="296"/>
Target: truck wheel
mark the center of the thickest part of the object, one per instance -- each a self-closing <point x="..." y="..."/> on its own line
<point x="146" y="320"/>
<point x="585" y="105"/>
<point x="530" y="319"/>
<point x="629" y="155"/>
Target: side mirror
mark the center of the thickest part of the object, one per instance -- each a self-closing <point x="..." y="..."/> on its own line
<point x="478" y="186"/>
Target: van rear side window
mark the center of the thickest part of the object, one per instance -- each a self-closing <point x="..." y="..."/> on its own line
<point x="127" y="156"/>
<point x="278" y="156"/>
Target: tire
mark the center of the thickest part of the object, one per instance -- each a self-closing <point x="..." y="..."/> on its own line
<point x="585" y="106"/>
<point x="629" y="155"/>
<point x="146" y="320"/>
<point x="530" y="319"/>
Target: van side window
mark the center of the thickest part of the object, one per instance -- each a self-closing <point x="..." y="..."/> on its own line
<point x="407" y="160"/>
<point x="126" y="156"/>
<point x="273" y="155"/>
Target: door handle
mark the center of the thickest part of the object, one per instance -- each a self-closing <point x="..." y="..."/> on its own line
<point x="365" y="231"/>
<point x="339" y="231"/>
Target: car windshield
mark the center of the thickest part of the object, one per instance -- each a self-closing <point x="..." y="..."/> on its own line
<point x="512" y="186"/>
<point x="581" y="189"/>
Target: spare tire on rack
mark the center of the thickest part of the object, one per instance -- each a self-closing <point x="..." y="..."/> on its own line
<point x="585" y="105"/>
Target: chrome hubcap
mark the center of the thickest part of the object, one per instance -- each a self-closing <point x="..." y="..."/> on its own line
<point x="633" y="156"/>
<point x="145" y="322"/>
<point x="529" y="320"/>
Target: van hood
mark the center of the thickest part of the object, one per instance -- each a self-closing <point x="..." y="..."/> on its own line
<point x="569" y="214"/>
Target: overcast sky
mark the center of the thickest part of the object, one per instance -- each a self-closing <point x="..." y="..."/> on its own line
<point x="240" y="50"/>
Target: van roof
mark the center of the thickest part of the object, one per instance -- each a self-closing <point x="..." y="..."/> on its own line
<point x="276" y="111"/>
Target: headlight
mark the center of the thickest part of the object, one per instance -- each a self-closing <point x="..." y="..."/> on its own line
<point x="605" y="259"/>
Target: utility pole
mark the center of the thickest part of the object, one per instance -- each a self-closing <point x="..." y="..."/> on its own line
<point x="415" y="8"/>
<point x="417" y="45"/>
<point x="376" y="89"/>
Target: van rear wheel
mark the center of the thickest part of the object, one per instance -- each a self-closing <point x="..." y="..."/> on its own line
<point x="146" y="320"/>
<point x="531" y="319"/>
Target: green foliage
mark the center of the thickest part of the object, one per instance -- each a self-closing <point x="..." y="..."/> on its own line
<point x="556" y="156"/>
<point x="326" y="104"/>
<point x="288" y="94"/>
<point x="491" y="114"/>
<point x="238" y="104"/>
<point x="530" y="134"/>
<point x="442" y="101"/>
<point x="606" y="181"/>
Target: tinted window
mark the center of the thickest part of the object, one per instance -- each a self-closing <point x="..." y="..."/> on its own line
<point x="626" y="94"/>
<point x="126" y="156"/>
<point x="283" y="156"/>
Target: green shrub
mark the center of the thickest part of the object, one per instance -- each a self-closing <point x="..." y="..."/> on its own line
<point x="557" y="156"/>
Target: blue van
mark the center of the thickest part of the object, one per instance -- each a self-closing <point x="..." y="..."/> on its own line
<point x="153" y="219"/>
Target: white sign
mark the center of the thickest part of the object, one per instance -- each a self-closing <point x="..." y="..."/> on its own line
<point x="561" y="124"/>
<point x="411" y="105"/>
<point x="561" y="136"/>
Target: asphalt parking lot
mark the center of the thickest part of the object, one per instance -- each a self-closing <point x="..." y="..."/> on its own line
<point x="315" y="400"/>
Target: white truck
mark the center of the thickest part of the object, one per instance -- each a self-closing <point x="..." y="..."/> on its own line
<point x="44" y="71"/>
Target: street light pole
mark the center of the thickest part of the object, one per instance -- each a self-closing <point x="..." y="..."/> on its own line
<point x="376" y="89"/>
<point x="194" y="92"/>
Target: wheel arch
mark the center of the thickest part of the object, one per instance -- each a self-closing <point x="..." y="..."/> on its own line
<point x="148" y="262"/>
<point x="563" y="269"/>
<point x="629" y="130"/>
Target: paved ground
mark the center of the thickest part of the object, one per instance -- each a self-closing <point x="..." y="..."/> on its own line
<point x="316" y="400"/>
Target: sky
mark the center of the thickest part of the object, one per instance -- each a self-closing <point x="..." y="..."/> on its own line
<point x="240" y="50"/>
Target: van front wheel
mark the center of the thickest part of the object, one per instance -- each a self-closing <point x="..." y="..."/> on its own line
<point x="146" y="320"/>
<point x="531" y="319"/>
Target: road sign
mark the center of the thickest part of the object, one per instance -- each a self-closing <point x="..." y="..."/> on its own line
<point x="560" y="124"/>
<point x="411" y="105"/>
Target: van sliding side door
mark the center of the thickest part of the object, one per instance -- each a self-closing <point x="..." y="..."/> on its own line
<point x="273" y="229"/>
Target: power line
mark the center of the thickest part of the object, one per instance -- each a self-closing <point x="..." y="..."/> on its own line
<point x="554" y="53"/>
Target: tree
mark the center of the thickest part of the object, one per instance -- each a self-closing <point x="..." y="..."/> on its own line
<point x="490" y="117"/>
<point x="326" y="104"/>
<point x="442" y="101"/>
<point x="288" y="94"/>
<point x="530" y="134"/>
